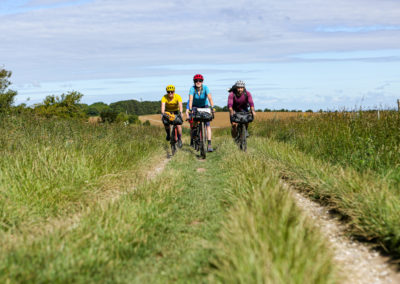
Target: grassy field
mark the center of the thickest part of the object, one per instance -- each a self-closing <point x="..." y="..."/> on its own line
<point x="356" y="139"/>
<point x="222" y="118"/>
<point x="76" y="207"/>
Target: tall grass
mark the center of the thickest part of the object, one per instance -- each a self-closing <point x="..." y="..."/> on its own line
<point x="356" y="139"/>
<point x="50" y="167"/>
<point x="265" y="237"/>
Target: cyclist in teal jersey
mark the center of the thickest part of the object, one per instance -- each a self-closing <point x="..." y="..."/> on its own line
<point x="199" y="96"/>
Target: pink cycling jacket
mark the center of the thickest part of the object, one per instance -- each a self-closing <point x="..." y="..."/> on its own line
<point x="240" y="103"/>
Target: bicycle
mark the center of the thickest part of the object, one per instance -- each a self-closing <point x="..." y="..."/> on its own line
<point x="175" y="121"/>
<point x="200" y="140"/>
<point x="242" y="118"/>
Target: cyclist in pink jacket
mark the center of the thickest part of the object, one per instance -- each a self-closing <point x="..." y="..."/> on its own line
<point x="239" y="100"/>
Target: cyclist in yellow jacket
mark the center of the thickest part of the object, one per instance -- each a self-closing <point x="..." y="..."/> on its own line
<point x="172" y="103"/>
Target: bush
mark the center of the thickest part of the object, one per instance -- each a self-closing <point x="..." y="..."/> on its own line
<point x="133" y="119"/>
<point x="108" y="115"/>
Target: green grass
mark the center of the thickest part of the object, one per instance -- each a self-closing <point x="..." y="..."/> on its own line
<point x="348" y="160"/>
<point x="265" y="237"/>
<point x="356" y="139"/>
<point x="51" y="168"/>
<point x="232" y="222"/>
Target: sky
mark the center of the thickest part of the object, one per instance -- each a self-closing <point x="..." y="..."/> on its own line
<point x="293" y="54"/>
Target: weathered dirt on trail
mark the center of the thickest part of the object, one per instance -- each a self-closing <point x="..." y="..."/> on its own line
<point x="359" y="263"/>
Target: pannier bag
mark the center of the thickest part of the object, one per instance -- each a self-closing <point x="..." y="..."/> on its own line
<point x="242" y="117"/>
<point x="202" y="114"/>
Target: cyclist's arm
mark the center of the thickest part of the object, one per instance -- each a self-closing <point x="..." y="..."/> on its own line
<point x="253" y="111"/>
<point x="190" y="102"/>
<point x="162" y="108"/>
<point x="251" y="103"/>
<point x="230" y="104"/>
<point x="180" y="107"/>
<point x="210" y="100"/>
<point x="230" y="111"/>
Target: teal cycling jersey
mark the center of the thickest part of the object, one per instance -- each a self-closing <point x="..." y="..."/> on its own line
<point x="199" y="98"/>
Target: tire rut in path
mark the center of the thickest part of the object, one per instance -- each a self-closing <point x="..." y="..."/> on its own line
<point x="358" y="262"/>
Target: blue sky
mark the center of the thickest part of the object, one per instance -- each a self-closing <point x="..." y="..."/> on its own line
<point x="295" y="54"/>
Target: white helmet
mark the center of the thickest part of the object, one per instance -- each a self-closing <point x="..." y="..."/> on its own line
<point x="240" y="84"/>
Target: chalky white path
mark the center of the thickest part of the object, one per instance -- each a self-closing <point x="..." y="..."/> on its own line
<point x="359" y="263"/>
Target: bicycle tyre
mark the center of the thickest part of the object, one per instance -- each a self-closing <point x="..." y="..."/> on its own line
<point x="238" y="132"/>
<point x="243" y="142"/>
<point x="173" y="140"/>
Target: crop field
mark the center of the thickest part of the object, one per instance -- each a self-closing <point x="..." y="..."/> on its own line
<point x="222" y="118"/>
<point x="90" y="203"/>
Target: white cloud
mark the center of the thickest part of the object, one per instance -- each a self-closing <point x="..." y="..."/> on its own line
<point x="68" y="40"/>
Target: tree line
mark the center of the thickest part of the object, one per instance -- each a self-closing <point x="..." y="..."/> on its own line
<point x="69" y="105"/>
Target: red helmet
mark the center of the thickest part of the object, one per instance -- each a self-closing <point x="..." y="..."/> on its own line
<point x="198" y="77"/>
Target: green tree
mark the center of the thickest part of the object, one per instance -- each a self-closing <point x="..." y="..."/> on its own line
<point x="96" y="108"/>
<point x="218" y="108"/>
<point x="66" y="106"/>
<point x="6" y="96"/>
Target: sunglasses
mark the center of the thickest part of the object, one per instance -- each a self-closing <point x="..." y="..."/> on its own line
<point x="197" y="81"/>
<point x="170" y="92"/>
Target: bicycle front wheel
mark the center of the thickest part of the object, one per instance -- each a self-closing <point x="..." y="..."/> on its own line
<point x="173" y="140"/>
<point x="243" y="141"/>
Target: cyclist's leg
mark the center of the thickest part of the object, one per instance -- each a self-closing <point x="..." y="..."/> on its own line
<point x="167" y="129"/>
<point x="234" y="129"/>
<point x="209" y="147"/>
<point x="191" y="132"/>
